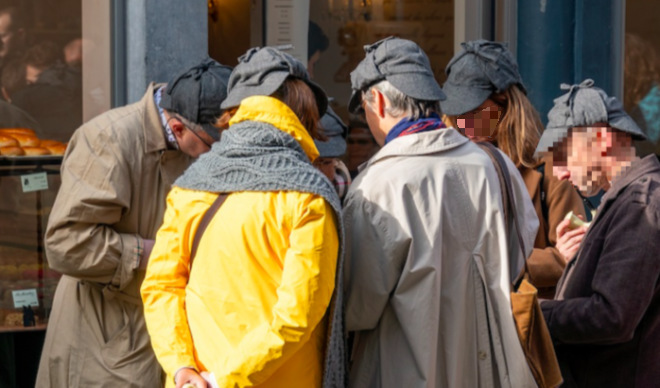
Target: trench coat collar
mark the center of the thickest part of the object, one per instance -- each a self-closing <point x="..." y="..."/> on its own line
<point x="154" y="138"/>
<point x="424" y="143"/>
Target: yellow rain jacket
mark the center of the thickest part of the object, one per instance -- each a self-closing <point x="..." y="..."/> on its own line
<point x="252" y="308"/>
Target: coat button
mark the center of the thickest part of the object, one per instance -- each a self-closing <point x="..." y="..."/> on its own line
<point x="482" y="355"/>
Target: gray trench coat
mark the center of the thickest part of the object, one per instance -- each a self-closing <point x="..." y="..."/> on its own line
<point x="427" y="283"/>
<point x="115" y="177"/>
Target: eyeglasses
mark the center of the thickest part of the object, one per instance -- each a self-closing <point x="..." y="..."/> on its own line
<point x="189" y="126"/>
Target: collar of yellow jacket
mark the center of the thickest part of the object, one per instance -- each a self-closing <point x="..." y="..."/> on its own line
<point x="273" y="111"/>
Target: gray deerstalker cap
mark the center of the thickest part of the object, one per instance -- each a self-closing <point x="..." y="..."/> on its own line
<point x="335" y="130"/>
<point x="196" y="94"/>
<point x="261" y="71"/>
<point x="479" y="70"/>
<point x="401" y="62"/>
<point x="585" y="105"/>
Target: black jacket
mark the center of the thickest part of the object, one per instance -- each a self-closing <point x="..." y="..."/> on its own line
<point x="607" y="324"/>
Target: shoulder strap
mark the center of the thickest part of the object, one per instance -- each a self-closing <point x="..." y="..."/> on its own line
<point x="544" y="203"/>
<point x="509" y="200"/>
<point x="204" y="223"/>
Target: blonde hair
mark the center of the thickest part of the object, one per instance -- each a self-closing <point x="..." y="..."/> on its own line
<point x="519" y="129"/>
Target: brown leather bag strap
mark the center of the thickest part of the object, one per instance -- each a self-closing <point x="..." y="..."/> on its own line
<point x="204" y="223"/>
<point x="503" y="173"/>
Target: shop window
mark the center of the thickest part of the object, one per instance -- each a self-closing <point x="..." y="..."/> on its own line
<point x="40" y="108"/>
<point x="337" y="30"/>
<point x="641" y="86"/>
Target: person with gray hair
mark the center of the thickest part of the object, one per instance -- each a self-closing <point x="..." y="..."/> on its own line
<point x="605" y="318"/>
<point x="428" y="280"/>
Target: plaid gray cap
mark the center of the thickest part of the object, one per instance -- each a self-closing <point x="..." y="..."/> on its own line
<point x="261" y="71"/>
<point x="479" y="70"/>
<point x="196" y="94"/>
<point x="335" y="130"/>
<point x="401" y="62"/>
<point x="585" y="105"/>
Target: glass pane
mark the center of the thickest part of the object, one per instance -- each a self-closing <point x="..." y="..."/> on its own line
<point x="338" y="30"/>
<point x="641" y="85"/>
<point x="41" y="106"/>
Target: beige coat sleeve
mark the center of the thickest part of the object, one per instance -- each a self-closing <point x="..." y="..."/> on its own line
<point x="96" y="189"/>
<point x="546" y="264"/>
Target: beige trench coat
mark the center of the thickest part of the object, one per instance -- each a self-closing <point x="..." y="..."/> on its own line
<point x="115" y="178"/>
<point x="428" y="279"/>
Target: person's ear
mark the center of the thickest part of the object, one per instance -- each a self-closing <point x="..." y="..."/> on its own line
<point x="379" y="102"/>
<point x="177" y="128"/>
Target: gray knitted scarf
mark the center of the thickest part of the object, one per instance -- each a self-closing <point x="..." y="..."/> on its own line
<point x="255" y="156"/>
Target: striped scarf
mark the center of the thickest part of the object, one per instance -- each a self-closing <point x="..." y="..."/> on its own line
<point x="408" y="127"/>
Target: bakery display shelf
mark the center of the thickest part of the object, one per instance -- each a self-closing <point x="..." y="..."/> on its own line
<point x="30" y="160"/>
<point x="14" y="329"/>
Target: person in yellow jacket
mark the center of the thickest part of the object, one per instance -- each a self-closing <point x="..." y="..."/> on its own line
<point x="260" y="304"/>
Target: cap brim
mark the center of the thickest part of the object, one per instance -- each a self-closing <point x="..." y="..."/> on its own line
<point x="266" y="88"/>
<point x="321" y="97"/>
<point x="355" y="100"/>
<point x="550" y="138"/>
<point x="419" y="86"/>
<point x="166" y="101"/>
<point x="333" y="148"/>
<point x="211" y="130"/>
<point x="462" y="99"/>
<point x="626" y="124"/>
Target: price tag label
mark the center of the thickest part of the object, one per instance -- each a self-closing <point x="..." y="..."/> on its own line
<point x="25" y="298"/>
<point x="34" y="182"/>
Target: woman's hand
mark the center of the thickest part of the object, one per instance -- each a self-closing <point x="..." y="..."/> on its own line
<point x="569" y="240"/>
<point x="189" y="378"/>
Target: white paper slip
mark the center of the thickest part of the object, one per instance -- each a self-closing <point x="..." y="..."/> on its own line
<point x="25" y="298"/>
<point x="34" y="182"/>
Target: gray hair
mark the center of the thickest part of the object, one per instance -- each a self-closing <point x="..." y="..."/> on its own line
<point x="401" y="104"/>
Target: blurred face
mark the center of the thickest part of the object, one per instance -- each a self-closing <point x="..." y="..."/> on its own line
<point x="580" y="159"/>
<point x="31" y="74"/>
<point x="6" y="35"/>
<point x="480" y="124"/>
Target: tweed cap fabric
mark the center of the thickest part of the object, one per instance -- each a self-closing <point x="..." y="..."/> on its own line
<point x="401" y="62"/>
<point x="335" y="130"/>
<point x="261" y="71"/>
<point x="479" y="70"/>
<point x="584" y="105"/>
<point x="197" y="93"/>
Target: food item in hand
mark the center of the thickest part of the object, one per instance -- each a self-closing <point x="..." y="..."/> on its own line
<point x="8" y="141"/>
<point x="576" y="222"/>
<point x="11" y="151"/>
<point x="35" y="151"/>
